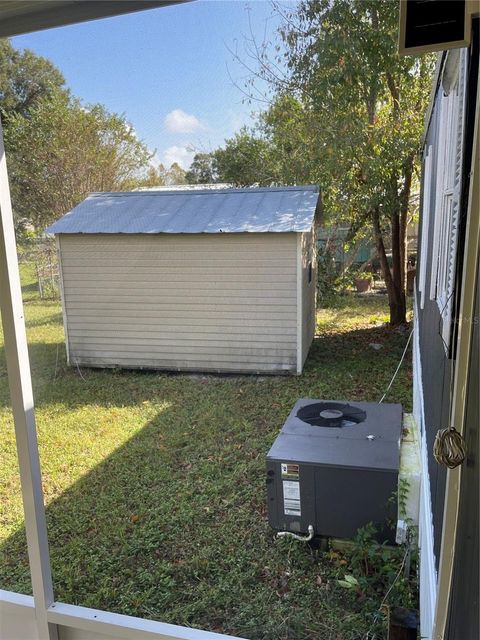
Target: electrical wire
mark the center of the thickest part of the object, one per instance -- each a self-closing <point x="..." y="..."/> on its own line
<point x="449" y="448"/>
<point x="78" y="369"/>
<point x="397" y="369"/>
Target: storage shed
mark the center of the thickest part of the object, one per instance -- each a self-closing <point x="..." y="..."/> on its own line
<point x="216" y="280"/>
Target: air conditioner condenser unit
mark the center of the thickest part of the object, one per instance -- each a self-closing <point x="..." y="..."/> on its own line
<point x="334" y="466"/>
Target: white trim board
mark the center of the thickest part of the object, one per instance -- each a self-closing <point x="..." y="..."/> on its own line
<point x="82" y="623"/>
<point x="425" y="221"/>
<point x="21" y="393"/>
<point x="428" y="574"/>
<point x="299" y="302"/>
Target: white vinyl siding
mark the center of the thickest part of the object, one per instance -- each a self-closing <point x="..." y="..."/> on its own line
<point x="207" y="302"/>
<point x="427" y="573"/>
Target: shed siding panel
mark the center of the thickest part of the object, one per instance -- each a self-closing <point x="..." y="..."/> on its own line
<point x="309" y="285"/>
<point x="203" y="302"/>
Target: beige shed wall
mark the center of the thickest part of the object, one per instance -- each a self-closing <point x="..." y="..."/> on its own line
<point x="225" y="302"/>
<point x="309" y="291"/>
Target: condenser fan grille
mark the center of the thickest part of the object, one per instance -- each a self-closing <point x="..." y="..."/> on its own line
<point x="331" y="414"/>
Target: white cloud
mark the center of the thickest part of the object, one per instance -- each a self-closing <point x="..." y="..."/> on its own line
<point x="181" y="155"/>
<point x="177" y="121"/>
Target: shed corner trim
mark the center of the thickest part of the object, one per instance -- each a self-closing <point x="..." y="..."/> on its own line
<point x="299" y="303"/>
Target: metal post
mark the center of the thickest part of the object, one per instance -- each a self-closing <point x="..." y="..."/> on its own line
<point x="20" y="383"/>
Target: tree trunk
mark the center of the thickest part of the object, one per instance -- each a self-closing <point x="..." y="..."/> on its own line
<point x="398" y="312"/>
<point x="396" y="297"/>
<point x="404" y="205"/>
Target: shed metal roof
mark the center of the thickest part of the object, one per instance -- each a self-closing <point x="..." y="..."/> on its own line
<point x="277" y="209"/>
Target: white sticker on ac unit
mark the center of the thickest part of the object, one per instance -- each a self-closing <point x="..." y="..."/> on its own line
<point x="291" y="498"/>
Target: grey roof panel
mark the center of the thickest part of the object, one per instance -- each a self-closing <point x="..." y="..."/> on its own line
<point x="277" y="209"/>
<point x="24" y="16"/>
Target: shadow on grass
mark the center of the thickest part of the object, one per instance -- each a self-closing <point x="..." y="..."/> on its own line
<point x="172" y="524"/>
<point x="31" y="288"/>
<point x="54" y="318"/>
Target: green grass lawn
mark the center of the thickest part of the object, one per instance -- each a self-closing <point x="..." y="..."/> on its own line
<point x="154" y="483"/>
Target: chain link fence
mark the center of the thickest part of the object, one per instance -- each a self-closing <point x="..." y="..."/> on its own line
<point x="42" y="254"/>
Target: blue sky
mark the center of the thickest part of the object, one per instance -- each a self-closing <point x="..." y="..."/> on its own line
<point x="169" y="70"/>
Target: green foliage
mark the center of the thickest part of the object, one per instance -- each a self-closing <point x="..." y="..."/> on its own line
<point x="355" y="273"/>
<point x="329" y="282"/>
<point x="350" y="582"/>
<point x="63" y="151"/>
<point x="202" y="170"/>
<point x="154" y="177"/>
<point x="155" y="483"/>
<point x="403" y="491"/>
<point x="285" y="125"/>
<point x="365" y="107"/>
<point x="379" y="576"/>
<point x="25" y="77"/>
<point x="174" y="175"/>
<point x="59" y="149"/>
<point x="363" y="103"/>
<point x="245" y="160"/>
<point x="160" y="176"/>
<point x="347" y="113"/>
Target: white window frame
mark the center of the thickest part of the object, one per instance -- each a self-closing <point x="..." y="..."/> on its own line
<point x="448" y="185"/>
<point x="425" y="217"/>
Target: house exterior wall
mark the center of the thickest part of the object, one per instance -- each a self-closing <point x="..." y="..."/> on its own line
<point x="441" y="251"/>
<point x="209" y="302"/>
<point x="464" y="611"/>
<point x="436" y="331"/>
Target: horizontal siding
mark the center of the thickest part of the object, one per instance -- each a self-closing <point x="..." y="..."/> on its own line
<point x="309" y="292"/>
<point x="177" y="364"/>
<point x="171" y="294"/>
<point x="185" y="280"/>
<point x="153" y="318"/>
<point x="133" y="345"/>
<point x="179" y="336"/>
<point x="204" y="306"/>
<point x="209" y="303"/>
<point x="194" y="331"/>
<point x="221" y="359"/>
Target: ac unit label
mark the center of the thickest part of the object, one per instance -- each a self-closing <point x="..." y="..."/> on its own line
<point x="291" y="498"/>
<point x="290" y="470"/>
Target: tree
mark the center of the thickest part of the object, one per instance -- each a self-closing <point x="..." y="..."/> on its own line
<point x="285" y="126"/>
<point x="161" y="177"/>
<point x="202" y="170"/>
<point x="153" y="177"/>
<point x="64" y="150"/>
<point x="24" y="79"/>
<point x="245" y="160"/>
<point x="175" y="175"/>
<point x="357" y="109"/>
